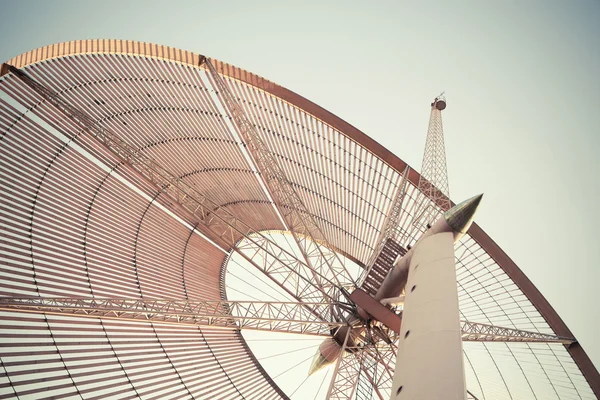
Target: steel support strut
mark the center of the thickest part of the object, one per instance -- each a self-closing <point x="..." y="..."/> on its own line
<point x="300" y="222"/>
<point x="272" y="316"/>
<point x="342" y="381"/>
<point x="287" y="317"/>
<point x="475" y="332"/>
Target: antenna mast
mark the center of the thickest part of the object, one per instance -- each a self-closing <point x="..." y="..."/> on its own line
<point x="433" y="182"/>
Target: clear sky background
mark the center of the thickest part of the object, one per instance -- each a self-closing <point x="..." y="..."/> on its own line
<point x="522" y="79"/>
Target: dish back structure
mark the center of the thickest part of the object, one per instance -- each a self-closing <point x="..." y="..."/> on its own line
<point x="79" y="222"/>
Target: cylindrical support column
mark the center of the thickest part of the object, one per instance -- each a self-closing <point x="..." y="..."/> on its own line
<point x="429" y="363"/>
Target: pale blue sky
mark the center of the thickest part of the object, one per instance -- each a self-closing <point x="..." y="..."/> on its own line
<point x="521" y="77"/>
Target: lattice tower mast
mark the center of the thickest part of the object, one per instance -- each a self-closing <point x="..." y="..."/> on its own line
<point x="433" y="182"/>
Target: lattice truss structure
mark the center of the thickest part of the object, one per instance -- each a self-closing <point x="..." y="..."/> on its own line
<point x="132" y="173"/>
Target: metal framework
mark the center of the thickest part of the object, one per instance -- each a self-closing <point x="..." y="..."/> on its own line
<point x="224" y="228"/>
<point x="474" y="332"/>
<point x="123" y="184"/>
<point x="267" y="316"/>
<point x="285" y="317"/>
<point x="345" y="373"/>
<point x="299" y="221"/>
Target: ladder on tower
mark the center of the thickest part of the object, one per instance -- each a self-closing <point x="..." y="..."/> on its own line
<point x="382" y="265"/>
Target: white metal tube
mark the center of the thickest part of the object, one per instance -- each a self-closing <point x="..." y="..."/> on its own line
<point x="429" y="363"/>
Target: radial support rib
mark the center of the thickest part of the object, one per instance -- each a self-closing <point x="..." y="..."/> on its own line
<point x="283" y="317"/>
<point x="475" y="332"/>
<point x="300" y="222"/>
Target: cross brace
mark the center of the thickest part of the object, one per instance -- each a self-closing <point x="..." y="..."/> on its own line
<point x="474" y="332"/>
<point x="284" y="317"/>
